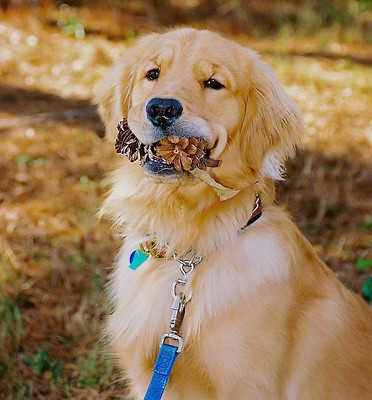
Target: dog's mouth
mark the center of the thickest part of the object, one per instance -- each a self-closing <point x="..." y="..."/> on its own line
<point x="172" y="155"/>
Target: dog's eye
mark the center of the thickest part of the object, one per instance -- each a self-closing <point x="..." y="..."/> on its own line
<point x="153" y="74"/>
<point x="213" y="84"/>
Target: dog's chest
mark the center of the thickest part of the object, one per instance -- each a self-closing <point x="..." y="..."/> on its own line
<point x="143" y="297"/>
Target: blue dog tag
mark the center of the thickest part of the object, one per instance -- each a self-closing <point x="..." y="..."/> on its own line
<point x="137" y="258"/>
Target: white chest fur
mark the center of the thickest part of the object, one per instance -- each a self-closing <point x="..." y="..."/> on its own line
<point x="142" y="297"/>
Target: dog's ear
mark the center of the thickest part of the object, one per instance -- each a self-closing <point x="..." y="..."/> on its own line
<point x="113" y="94"/>
<point x="272" y="126"/>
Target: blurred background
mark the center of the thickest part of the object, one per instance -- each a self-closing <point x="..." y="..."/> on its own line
<point x="54" y="253"/>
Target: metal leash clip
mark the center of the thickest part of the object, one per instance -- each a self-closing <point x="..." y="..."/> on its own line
<point x="178" y="306"/>
<point x="180" y="300"/>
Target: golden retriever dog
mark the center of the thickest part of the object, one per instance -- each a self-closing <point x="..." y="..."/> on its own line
<point x="264" y="317"/>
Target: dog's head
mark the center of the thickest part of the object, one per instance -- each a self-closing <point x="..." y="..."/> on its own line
<point x="197" y="84"/>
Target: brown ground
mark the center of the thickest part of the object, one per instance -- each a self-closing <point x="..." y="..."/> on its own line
<point x="54" y="253"/>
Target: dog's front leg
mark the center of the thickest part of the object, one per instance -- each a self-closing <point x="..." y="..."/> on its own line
<point x="244" y="352"/>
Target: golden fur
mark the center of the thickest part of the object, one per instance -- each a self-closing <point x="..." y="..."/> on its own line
<point x="268" y="320"/>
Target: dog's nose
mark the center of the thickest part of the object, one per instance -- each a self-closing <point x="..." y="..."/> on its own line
<point x="163" y="112"/>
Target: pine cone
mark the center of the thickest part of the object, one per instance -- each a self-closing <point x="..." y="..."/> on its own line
<point x="184" y="153"/>
<point x="127" y="143"/>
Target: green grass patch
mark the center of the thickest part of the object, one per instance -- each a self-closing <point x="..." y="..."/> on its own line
<point x="29" y="161"/>
<point x="41" y="363"/>
<point x="96" y="369"/>
<point x="77" y="262"/>
<point x="11" y="322"/>
<point x="363" y="264"/>
<point x="367" y="289"/>
<point x="366" y="225"/>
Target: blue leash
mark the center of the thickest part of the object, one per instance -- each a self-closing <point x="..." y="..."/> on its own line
<point x="162" y="369"/>
<point x="163" y="366"/>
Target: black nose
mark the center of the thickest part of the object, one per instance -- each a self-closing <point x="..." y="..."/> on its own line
<point x="163" y="112"/>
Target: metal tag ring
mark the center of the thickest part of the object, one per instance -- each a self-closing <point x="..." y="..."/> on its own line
<point x="186" y="267"/>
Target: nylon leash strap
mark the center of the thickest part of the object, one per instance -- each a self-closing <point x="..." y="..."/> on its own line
<point x="161" y="372"/>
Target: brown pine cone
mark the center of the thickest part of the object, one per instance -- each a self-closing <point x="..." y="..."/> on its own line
<point x="127" y="143"/>
<point x="184" y="153"/>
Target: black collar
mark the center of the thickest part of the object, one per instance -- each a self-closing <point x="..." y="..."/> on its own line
<point x="256" y="213"/>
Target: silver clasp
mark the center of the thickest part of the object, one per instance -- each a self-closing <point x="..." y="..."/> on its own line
<point x="173" y="336"/>
<point x="178" y="312"/>
<point x="180" y="300"/>
<point x="178" y="306"/>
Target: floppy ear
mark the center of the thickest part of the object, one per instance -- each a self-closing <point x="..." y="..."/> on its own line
<point x="113" y="94"/>
<point x="273" y="126"/>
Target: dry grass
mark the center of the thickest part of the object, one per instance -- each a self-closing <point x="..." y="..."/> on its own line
<point x="55" y="255"/>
